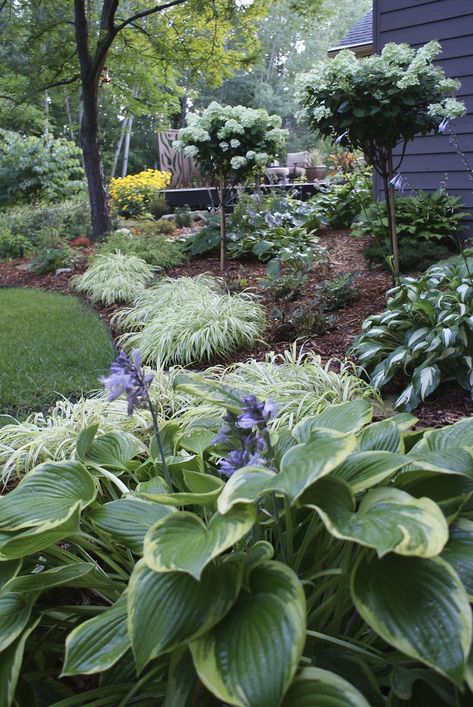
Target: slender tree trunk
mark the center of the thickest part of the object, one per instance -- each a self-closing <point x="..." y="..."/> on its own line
<point x="46" y="114"/>
<point x="67" y="107"/>
<point x="223" y="225"/>
<point x="118" y="149"/>
<point x="126" y="149"/>
<point x="391" y="204"/>
<point x="89" y="139"/>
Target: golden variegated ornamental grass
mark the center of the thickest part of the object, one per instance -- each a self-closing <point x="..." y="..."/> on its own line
<point x="189" y="320"/>
<point x="114" y="277"/>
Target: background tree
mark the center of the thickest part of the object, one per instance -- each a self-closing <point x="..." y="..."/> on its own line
<point x="375" y="103"/>
<point x="231" y="143"/>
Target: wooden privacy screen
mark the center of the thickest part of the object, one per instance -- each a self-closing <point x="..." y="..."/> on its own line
<point x="183" y="169"/>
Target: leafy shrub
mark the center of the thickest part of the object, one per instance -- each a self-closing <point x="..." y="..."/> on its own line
<point x="44" y="224"/>
<point x="413" y="254"/>
<point x="425" y="216"/>
<point x="147" y="243"/>
<point x="294" y="246"/>
<point x="337" y="293"/>
<point x="158" y="206"/>
<point x="206" y="239"/>
<point x="48" y="260"/>
<point x="425" y="335"/>
<point x="34" y="168"/>
<point x="188" y="320"/>
<point x="114" y="277"/>
<point x="183" y="217"/>
<point x="301" y="320"/>
<point x="12" y="245"/>
<point x="341" y="204"/>
<point x="332" y="541"/>
<point x="131" y="195"/>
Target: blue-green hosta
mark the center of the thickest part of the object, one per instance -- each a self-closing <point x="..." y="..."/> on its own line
<point x="425" y="335"/>
<point x="336" y="570"/>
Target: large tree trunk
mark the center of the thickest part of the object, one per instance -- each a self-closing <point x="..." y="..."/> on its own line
<point x="89" y="140"/>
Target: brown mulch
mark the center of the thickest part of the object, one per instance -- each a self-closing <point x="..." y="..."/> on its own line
<point x="346" y="255"/>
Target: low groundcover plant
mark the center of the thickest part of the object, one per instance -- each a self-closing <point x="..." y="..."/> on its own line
<point x="338" y="562"/>
<point x="114" y="277"/>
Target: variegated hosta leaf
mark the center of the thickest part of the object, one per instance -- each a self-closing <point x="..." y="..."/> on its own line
<point x="458" y="552"/>
<point x="47" y="496"/>
<point x="245" y="486"/>
<point x="417" y="605"/>
<point x="300" y="467"/>
<point x="204" y="490"/>
<point x="182" y="542"/>
<point x="127" y="520"/>
<point x="381" y="436"/>
<point x="450" y="491"/>
<point x="459" y="434"/>
<point x="169" y="609"/>
<point x="11" y="662"/>
<point x="345" y="417"/>
<point x="362" y="470"/>
<point x="20" y="543"/>
<point x="315" y="687"/>
<point x="443" y="461"/>
<point x="409" y="398"/>
<point x="250" y="657"/>
<point x="114" y="451"/>
<point x="387" y="520"/>
<point x="95" y="645"/>
<point x="77" y="574"/>
<point x="15" y="611"/>
<point x="426" y="379"/>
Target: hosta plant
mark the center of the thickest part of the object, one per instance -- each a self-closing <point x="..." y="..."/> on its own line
<point x="188" y="320"/>
<point x="114" y="277"/>
<point x="425" y="335"/>
<point x="334" y="568"/>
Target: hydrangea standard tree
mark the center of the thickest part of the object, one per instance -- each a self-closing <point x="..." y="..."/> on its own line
<point x="232" y="144"/>
<point x="377" y="102"/>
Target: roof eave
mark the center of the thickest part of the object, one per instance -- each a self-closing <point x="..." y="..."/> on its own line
<point x="362" y="49"/>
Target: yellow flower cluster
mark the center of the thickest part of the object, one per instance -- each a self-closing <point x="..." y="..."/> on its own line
<point x="131" y="195"/>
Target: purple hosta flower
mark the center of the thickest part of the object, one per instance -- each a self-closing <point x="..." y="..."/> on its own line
<point x="255" y="413"/>
<point x="239" y="458"/>
<point x="128" y="378"/>
<point x="398" y="182"/>
<point x="442" y="128"/>
<point x="341" y="137"/>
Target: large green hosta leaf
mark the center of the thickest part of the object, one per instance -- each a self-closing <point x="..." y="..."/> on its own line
<point x="20" y="543"/>
<point x="459" y="552"/>
<point x="78" y="574"/>
<point x="47" y="496"/>
<point x="203" y="489"/>
<point x="345" y="417"/>
<point x="315" y="687"/>
<point x="300" y="467"/>
<point x="10" y="665"/>
<point x="95" y="645"/>
<point x="458" y="435"/>
<point x="362" y="470"/>
<point x="419" y="606"/>
<point x="113" y="450"/>
<point x="184" y="543"/>
<point x="249" y="658"/>
<point x="167" y="609"/>
<point x="387" y="519"/>
<point x="128" y="519"/>
<point x="15" y="611"/>
<point x="381" y="436"/>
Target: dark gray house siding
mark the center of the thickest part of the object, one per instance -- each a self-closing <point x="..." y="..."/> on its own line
<point x="431" y="161"/>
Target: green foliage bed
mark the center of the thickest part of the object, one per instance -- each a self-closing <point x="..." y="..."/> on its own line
<point x="50" y="345"/>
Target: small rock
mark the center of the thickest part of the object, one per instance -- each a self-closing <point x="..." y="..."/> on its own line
<point x="168" y="217"/>
<point x="60" y="271"/>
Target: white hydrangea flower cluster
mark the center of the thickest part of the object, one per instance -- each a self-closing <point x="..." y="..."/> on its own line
<point x="232" y="139"/>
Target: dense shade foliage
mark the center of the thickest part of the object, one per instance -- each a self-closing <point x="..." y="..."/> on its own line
<point x="38" y="168"/>
<point x="344" y="548"/>
<point x="425" y="335"/>
<point x="188" y="320"/>
<point x="146" y="241"/>
<point x="50" y="345"/>
<point x="342" y="203"/>
<point x="114" y="277"/>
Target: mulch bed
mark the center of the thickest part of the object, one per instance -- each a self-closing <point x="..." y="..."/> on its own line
<point x="346" y="255"/>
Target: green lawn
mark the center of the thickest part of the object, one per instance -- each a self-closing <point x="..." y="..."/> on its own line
<point x="50" y="346"/>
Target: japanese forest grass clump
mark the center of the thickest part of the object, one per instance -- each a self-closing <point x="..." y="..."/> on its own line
<point x="300" y="383"/>
<point x="114" y="277"/>
<point x="335" y="540"/>
<point x="189" y="320"/>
